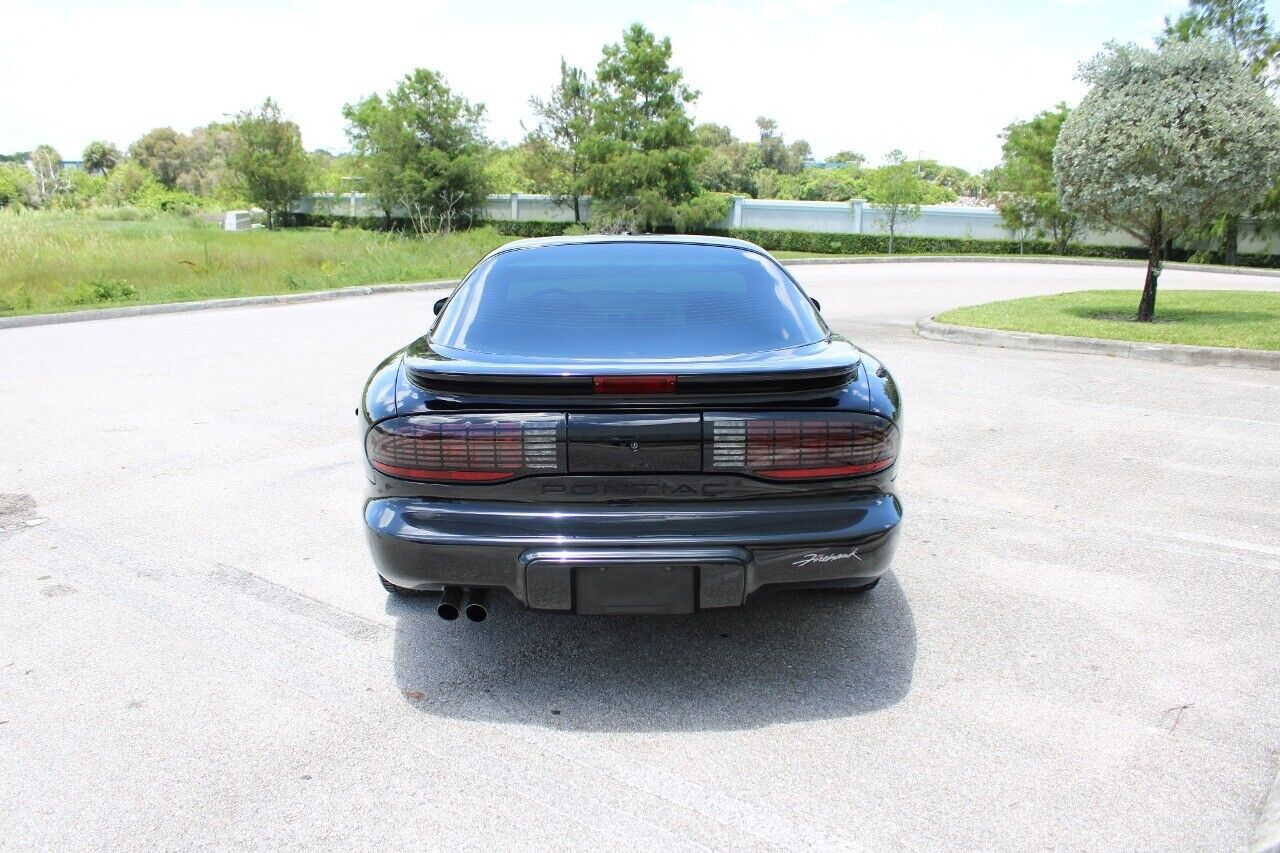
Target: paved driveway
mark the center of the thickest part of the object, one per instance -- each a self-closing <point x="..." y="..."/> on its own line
<point x="1079" y="645"/>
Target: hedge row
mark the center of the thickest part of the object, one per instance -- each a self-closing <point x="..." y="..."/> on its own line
<point x="368" y="223"/>
<point x="400" y="223"/>
<point x="844" y="244"/>
<point x="878" y="244"/>
<point x="862" y="244"/>
<point x="530" y="228"/>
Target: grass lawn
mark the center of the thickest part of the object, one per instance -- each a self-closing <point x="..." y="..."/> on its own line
<point x="1218" y="318"/>
<point x="63" y="261"/>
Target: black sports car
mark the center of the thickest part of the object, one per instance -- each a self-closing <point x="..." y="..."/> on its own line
<point x="629" y="425"/>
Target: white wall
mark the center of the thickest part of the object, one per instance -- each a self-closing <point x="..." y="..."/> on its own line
<point x="832" y="217"/>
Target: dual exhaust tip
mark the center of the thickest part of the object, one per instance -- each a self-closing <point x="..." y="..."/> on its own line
<point x="454" y="601"/>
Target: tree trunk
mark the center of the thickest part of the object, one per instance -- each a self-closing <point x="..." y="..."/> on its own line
<point x="577" y="210"/>
<point x="1230" y="240"/>
<point x="1155" y="245"/>
<point x="893" y="216"/>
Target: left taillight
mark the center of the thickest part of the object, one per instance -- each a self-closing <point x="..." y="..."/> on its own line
<point x="467" y="448"/>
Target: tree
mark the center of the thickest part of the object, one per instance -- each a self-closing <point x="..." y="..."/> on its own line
<point x="556" y="160"/>
<point x="100" y="157"/>
<point x="1019" y="214"/>
<point x="1244" y="25"/>
<point x="843" y="184"/>
<point x="642" y="154"/>
<point x="205" y="170"/>
<point x="898" y="190"/>
<point x="849" y="158"/>
<point x="268" y="161"/>
<point x="422" y="147"/>
<point x="126" y="183"/>
<point x="1165" y="140"/>
<point x="1027" y="196"/>
<point x="507" y="170"/>
<point x="15" y="184"/>
<point x="775" y="153"/>
<point x="47" y="178"/>
<point x="730" y="165"/>
<point x="162" y="151"/>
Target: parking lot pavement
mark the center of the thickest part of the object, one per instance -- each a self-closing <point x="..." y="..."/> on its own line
<point x="1077" y="647"/>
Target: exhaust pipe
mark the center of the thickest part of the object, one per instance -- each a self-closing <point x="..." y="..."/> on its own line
<point x="450" y="602"/>
<point x="477" y="609"/>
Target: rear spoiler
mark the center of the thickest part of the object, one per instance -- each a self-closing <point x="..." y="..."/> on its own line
<point x="689" y="387"/>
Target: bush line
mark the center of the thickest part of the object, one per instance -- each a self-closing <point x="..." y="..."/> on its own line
<point x="878" y="244"/>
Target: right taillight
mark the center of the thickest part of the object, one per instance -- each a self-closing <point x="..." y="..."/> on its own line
<point x="799" y="446"/>
<point x="467" y="448"/>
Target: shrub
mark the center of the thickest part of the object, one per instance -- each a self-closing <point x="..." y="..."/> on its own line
<point x="877" y="244"/>
<point x="101" y="290"/>
<point x="124" y="183"/>
<point x="18" y="299"/>
<point x="530" y="228"/>
<point x="701" y="212"/>
<point x="15" y="184"/>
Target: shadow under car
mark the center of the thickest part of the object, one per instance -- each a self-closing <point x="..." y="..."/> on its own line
<point x="786" y="656"/>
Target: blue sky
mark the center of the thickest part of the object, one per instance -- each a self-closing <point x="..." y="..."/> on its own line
<point x="937" y="79"/>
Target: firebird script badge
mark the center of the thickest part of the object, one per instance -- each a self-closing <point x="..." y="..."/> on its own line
<point x="808" y="559"/>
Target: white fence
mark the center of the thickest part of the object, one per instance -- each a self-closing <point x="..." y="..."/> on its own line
<point x="831" y="217"/>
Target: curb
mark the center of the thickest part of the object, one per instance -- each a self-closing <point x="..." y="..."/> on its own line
<point x="1024" y="259"/>
<point x="368" y="290"/>
<point x="208" y="304"/>
<point x="1171" y="353"/>
<point x="1266" y="838"/>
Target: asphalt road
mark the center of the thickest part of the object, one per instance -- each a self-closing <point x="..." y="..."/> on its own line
<point x="1079" y="646"/>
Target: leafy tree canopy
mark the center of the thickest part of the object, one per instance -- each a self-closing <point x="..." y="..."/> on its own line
<point x="642" y="153"/>
<point x="163" y="152"/>
<point x="100" y="157"/>
<point x="899" y="190"/>
<point x="1165" y="140"/>
<point x="268" y="160"/>
<point x="1027" y="196"/>
<point x="554" y="158"/>
<point x="1243" y="24"/>
<point x="422" y="147"/>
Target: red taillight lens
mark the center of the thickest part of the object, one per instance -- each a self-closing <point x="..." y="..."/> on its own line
<point x="801" y="447"/>
<point x="634" y="384"/>
<point x="467" y="448"/>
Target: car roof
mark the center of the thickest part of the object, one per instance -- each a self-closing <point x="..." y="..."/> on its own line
<point x="592" y="239"/>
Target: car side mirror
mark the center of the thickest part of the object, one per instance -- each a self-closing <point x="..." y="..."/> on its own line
<point x="817" y="306"/>
<point x="439" y="306"/>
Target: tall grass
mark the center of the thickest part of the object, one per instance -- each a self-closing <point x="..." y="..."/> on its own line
<point x="55" y="261"/>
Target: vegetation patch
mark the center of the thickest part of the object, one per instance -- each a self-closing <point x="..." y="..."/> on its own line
<point x="1215" y="318"/>
<point x="59" y="261"/>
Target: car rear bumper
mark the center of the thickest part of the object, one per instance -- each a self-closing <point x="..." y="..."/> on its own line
<point x="633" y="558"/>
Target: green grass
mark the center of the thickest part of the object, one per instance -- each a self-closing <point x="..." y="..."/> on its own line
<point x="64" y="261"/>
<point x="1218" y="318"/>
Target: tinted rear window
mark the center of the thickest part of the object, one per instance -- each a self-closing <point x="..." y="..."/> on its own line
<point x="627" y="300"/>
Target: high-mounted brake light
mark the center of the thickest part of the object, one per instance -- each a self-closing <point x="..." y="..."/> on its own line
<point x="467" y="448"/>
<point x="634" y="384"/>
<point x="800" y="446"/>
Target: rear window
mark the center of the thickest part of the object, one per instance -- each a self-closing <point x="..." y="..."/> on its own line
<point x="627" y="300"/>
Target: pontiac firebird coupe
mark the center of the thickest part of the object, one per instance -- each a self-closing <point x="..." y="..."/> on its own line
<point x="629" y="425"/>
